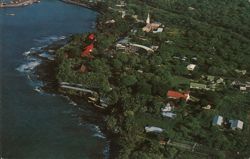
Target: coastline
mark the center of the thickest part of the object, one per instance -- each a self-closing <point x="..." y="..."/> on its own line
<point x="95" y="140"/>
<point x="130" y="126"/>
<point x="83" y="4"/>
<point x="78" y="3"/>
<point x="18" y="4"/>
<point x="47" y="72"/>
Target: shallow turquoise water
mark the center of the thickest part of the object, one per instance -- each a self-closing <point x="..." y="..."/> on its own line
<point x="35" y="125"/>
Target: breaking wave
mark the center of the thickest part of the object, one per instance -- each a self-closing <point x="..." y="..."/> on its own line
<point x="98" y="133"/>
<point x="34" y="57"/>
<point x="47" y="56"/>
<point x="96" y="129"/>
<point x="106" y="150"/>
<point x="73" y="103"/>
<point x="29" y="66"/>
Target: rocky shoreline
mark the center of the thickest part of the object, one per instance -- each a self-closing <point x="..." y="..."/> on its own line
<point x="46" y="72"/>
<point x="144" y="91"/>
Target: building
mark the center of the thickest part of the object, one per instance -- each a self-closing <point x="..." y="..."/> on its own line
<point x="122" y="4"/>
<point x="168" y="115"/>
<point x="148" y="19"/>
<point x="110" y="21"/>
<point x="159" y="30"/>
<point x="210" y="78"/>
<point x="236" y="124"/>
<point x="83" y="69"/>
<point x="217" y="120"/>
<point x="191" y="8"/>
<point x="243" y="72"/>
<point x="191" y="67"/>
<point x="167" y="108"/>
<point x="242" y="88"/>
<point x="198" y="86"/>
<point x="178" y="95"/>
<point x="154" y="47"/>
<point x="151" y="26"/>
<point x="220" y="80"/>
<point x="153" y="129"/>
<point x="88" y="49"/>
<point x="89" y="42"/>
<point x="137" y="19"/>
<point x="207" y="107"/>
<point x="124" y="40"/>
<point x="120" y="46"/>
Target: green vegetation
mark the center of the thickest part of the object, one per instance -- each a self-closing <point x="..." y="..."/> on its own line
<point x="212" y="34"/>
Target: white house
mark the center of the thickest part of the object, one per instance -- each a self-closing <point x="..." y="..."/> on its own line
<point x="242" y="88"/>
<point x="153" y="129"/>
<point x="110" y="21"/>
<point x="167" y="108"/>
<point x="159" y="30"/>
<point x="169" y="114"/>
<point x="217" y="120"/>
<point x="191" y="67"/>
<point x="236" y="124"/>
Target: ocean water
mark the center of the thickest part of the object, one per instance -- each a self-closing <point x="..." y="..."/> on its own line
<point x="33" y="124"/>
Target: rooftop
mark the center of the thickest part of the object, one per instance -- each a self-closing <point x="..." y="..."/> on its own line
<point x="217" y="120"/>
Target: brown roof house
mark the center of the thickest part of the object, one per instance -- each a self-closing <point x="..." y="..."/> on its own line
<point x="152" y="26"/>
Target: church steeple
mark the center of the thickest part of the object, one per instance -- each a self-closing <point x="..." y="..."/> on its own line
<point x="148" y="19"/>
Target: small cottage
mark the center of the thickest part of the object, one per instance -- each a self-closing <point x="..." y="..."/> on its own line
<point x="191" y="67"/>
<point x="217" y="120"/>
<point x="167" y="108"/>
<point x="236" y="124"/>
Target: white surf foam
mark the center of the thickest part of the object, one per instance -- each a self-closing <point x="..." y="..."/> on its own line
<point x="106" y="150"/>
<point x="47" y="56"/>
<point x="73" y="103"/>
<point x="26" y="53"/>
<point x="29" y="66"/>
<point x="98" y="133"/>
<point x="96" y="129"/>
<point x="38" y="89"/>
<point x="33" y="50"/>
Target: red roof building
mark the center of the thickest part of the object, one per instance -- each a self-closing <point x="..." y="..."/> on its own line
<point x="178" y="95"/>
<point x="88" y="45"/>
<point x="86" y="52"/>
<point x="91" y="37"/>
